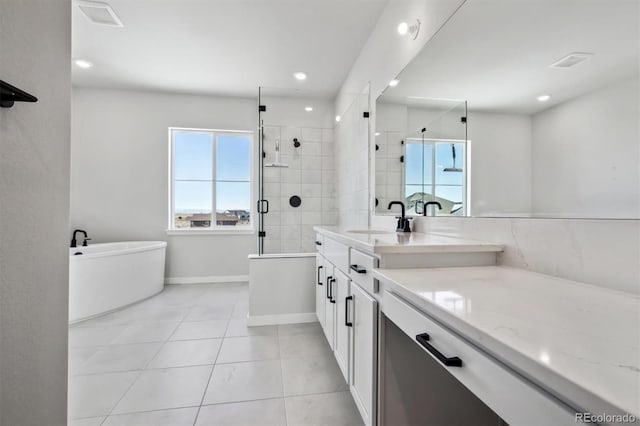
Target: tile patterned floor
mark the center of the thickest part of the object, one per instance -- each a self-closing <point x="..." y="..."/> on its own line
<point x="187" y="357"/>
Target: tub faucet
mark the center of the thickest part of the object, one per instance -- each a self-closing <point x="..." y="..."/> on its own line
<point x="403" y="222"/>
<point x="430" y="203"/>
<point x="74" y="241"/>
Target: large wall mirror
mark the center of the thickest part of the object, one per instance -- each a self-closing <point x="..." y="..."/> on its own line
<point x="526" y="108"/>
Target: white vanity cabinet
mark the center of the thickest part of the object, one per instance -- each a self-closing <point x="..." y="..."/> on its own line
<point x="348" y="298"/>
<point x="362" y="311"/>
<point x="320" y="289"/>
<point x="329" y="325"/>
<point x="343" y="327"/>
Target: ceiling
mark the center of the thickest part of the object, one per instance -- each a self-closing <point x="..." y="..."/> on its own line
<point x="224" y="47"/>
<point x="496" y="53"/>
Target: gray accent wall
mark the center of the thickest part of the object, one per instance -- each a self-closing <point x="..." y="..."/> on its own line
<point x="35" y="55"/>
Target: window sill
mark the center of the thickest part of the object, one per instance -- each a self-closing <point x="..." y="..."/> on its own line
<point x="246" y="231"/>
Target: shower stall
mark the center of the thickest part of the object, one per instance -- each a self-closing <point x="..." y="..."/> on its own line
<point x="296" y="191"/>
<point x="296" y="170"/>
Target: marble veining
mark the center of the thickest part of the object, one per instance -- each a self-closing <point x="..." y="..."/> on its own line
<point x="413" y="242"/>
<point x="579" y="340"/>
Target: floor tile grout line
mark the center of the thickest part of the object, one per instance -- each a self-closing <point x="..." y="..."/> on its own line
<point x="144" y="369"/>
<point x="215" y="362"/>
<point x="134" y="321"/>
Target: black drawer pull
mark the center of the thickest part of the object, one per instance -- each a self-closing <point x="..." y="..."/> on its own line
<point x="318" y="243"/>
<point x="346" y="311"/>
<point x="319" y="280"/>
<point x="332" y="300"/>
<point x="453" y="361"/>
<point x="358" y="269"/>
<point x="329" y="278"/>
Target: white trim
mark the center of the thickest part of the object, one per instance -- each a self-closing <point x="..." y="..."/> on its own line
<point x="281" y="256"/>
<point x="206" y="280"/>
<point x="281" y="319"/>
<point x="207" y="231"/>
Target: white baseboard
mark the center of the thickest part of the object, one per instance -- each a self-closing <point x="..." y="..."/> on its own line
<point x="209" y="279"/>
<point x="281" y="319"/>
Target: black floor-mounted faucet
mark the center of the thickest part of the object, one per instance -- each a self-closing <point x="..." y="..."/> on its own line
<point x="403" y="222"/>
<point x="430" y="203"/>
<point x="74" y="241"/>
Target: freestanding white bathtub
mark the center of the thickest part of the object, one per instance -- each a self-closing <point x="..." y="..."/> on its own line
<point x="105" y="277"/>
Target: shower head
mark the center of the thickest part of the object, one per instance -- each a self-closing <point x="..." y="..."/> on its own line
<point x="277" y="163"/>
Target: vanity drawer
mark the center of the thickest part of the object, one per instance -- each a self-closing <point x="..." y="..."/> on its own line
<point x="361" y="268"/>
<point x="319" y="243"/>
<point x="336" y="253"/>
<point x="512" y="397"/>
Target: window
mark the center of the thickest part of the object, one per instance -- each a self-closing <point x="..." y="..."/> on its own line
<point x="432" y="174"/>
<point x="210" y="186"/>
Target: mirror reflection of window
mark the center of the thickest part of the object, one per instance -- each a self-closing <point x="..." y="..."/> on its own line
<point x="435" y="171"/>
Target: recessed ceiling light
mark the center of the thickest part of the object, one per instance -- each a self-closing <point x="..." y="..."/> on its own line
<point x="300" y="75"/>
<point x="544" y="98"/>
<point x="308" y="109"/>
<point x="83" y="64"/>
<point x="404" y="29"/>
<point x="377" y="133"/>
<point x="394" y="83"/>
<point x="338" y="118"/>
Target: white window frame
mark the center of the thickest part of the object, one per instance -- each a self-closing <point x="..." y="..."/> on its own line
<point x="467" y="173"/>
<point x="214" y="228"/>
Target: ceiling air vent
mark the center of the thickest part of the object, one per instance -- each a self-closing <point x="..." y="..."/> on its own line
<point x="571" y="59"/>
<point x="99" y="13"/>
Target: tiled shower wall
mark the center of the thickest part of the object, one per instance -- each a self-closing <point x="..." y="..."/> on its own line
<point x="310" y="175"/>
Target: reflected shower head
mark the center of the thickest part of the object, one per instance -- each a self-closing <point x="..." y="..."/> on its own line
<point x="454" y="168"/>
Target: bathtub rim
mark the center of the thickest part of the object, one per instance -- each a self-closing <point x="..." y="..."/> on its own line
<point x="151" y="245"/>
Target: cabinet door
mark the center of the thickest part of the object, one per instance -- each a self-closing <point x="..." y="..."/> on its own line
<point x="329" y="304"/>
<point x="343" y="327"/>
<point x="363" y="310"/>
<point x="320" y="297"/>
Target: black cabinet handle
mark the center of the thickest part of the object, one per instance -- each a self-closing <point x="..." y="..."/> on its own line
<point x="319" y="281"/>
<point x="358" y="269"/>
<point x="332" y="300"/>
<point x="453" y="361"/>
<point x="329" y="278"/>
<point x="346" y="311"/>
<point x="318" y="243"/>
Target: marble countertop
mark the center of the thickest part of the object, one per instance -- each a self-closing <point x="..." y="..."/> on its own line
<point x="580" y="342"/>
<point x="410" y="242"/>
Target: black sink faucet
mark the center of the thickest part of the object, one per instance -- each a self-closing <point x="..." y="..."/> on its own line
<point x="403" y="223"/>
<point x="74" y="241"/>
<point x="430" y="203"/>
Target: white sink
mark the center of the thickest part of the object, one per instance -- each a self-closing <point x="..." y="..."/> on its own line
<point x="369" y="231"/>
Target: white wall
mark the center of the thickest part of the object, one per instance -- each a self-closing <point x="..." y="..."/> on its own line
<point x="586" y="154"/>
<point x="500" y="153"/>
<point x="119" y="172"/>
<point x="35" y="44"/>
